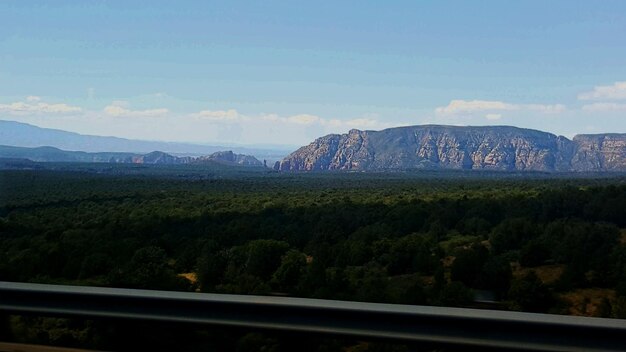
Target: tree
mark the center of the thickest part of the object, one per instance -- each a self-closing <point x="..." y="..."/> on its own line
<point x="496" y="275"/>
<point x="263" y="257"/>
<point x="529" y="294"/>
<point x="534" y="253"/>
<point x="367" y="283"/>
<point x="511" y="234"/>
<point x="468" y="264"/>
<point x="412" y="253"/>
<point x="290" y="271"/>
<point x="148" y="269"/>
<point x="455" y="294"/>
<point x="211" y="267"/>
<point x="406" y="289"/>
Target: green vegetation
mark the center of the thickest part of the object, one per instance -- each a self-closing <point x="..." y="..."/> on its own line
<point x="407" y="238"/>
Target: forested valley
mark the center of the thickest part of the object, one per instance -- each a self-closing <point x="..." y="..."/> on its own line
<point x="536" y="243"/>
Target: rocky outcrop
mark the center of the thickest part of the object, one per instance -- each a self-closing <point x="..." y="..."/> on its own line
<point x="224" y="157"/>
<point x="452" y="147"/>
<point x="157" y="157"/>
<point x="51" y="154"/>
<point x="600" y="152"/>
<point x="228" y="157"/>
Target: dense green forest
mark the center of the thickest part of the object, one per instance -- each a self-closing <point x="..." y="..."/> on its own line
<point x="530" y="242"/>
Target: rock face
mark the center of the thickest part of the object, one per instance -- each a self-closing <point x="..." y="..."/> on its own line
<point x="228" y="157"/>
<point x="51" y="154"/>
<point x="157" y="157"/>
<point x="451" y="147"/>
<point x="225" y="157"/>
<point x="600" y="152"/>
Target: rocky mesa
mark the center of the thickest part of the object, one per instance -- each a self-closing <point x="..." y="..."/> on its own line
<point x="454" y="147"/>
<point x="51" y="154"/>
<point x="230" y="158"/>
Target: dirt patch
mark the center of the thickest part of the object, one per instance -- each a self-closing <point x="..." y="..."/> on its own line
<point x="191" y="277"/>
<point x="548" y="274"/>
<point x="447" y="261"/>
<point x="587" y="301"/>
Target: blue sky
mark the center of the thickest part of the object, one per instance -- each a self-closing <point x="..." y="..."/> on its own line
<point x="285" y="72"/>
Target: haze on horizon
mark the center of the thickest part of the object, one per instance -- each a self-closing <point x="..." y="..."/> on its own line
<point x="288" y="72"/>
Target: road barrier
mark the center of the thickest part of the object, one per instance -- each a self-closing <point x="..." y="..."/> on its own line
<point x="404" y="323"/>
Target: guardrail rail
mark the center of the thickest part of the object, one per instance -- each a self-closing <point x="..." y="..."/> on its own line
<point x="404" y="323"/>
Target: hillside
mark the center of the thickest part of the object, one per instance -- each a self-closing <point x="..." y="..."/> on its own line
<point x="51" y="154"/>
<point x="24" y="135"/>
<point x="453" y="147"/>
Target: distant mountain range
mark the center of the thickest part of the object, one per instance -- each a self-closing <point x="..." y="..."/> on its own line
<point x="452" y="147"/>
<point x="504" y="148"/>
<point x="24" y="135"/>
<point x="51" y="154"/>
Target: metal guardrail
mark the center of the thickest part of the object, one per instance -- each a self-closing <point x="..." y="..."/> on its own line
<point x="438" y="325"/>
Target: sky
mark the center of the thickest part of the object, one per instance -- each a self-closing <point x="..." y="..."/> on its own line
<point x="286" y="72"/>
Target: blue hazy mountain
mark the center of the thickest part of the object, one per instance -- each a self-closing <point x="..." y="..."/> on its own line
<point x="25" y="135"/>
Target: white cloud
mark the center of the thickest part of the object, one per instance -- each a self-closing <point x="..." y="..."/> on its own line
<point x="218" y="115"/>
<point x="270" y="117"/>
<point x="119" y="108"/>
<point x="33" y="105"/>
<point x="617" y="91"/>
<point x="472" y="106"/>
<point x="493" y="117"/>
<point x="307" y="125"/>
<point x="546" y="109"/>
<point x="461" y="106"/>
<point x="300" y="119"/>
<point x="365" y="123"/>
<point x="604" y="107"/>
<point x="309" y="120"/>
<point x="304" y="119"/>
<point x="122" y="103"/>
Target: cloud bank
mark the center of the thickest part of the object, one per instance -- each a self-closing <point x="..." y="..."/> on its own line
<point x="217" y="115"/>
<point x="34" y="105"/>
<point x="460" y="106"/>
<point x="119" y="109"/>
<point x="617" y="91"/>
<point x="604" y="107"/>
